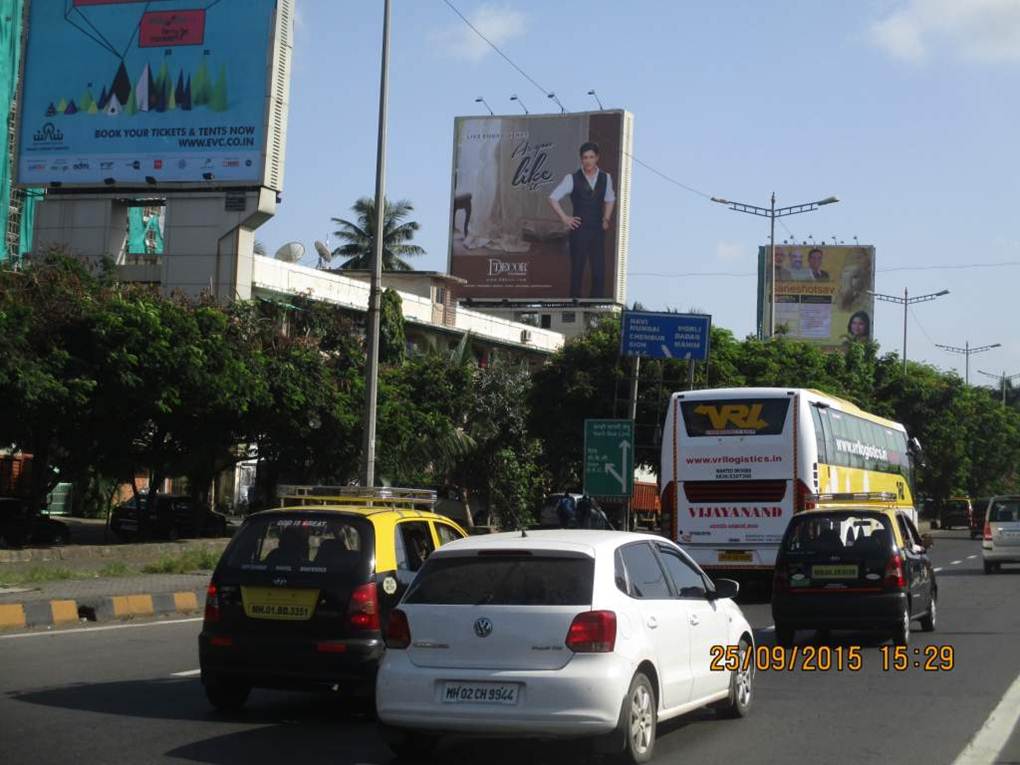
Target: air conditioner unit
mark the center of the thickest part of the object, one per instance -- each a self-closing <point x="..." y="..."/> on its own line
<point x="525" y="335"/>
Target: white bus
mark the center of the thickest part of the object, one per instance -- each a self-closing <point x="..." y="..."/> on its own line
<point x="737" y="463"/>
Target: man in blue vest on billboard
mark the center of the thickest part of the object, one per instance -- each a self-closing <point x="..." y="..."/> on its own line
<point x="592" y="200"/>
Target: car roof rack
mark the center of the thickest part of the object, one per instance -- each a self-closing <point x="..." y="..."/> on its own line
<point x="381" y="497"/>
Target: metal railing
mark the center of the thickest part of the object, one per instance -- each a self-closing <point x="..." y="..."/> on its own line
<point x="356" y="496"/>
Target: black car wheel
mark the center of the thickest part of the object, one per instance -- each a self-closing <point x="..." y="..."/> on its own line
<point x="409" y="744"/>
<point x="928" y="622"/>
<point x="901" y="633"/>
<point x="784" y="635"/>
<point x="226" y="695"/>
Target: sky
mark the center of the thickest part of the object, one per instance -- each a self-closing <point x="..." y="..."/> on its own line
<point x="907" y="110"/>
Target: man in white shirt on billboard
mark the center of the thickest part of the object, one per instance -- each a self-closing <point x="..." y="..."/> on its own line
<point x="592" y="202"/>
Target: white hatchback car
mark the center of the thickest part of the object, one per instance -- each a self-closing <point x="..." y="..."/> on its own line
<point x="1001" y="543"/>
<point x="565" y="633"/>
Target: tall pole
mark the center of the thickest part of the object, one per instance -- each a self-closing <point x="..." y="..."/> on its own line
<point x="906" y="305"/>
<point x="633" y="418"/>
<point x="772" y="268"/>
<point x="967" y="352"/>
<point x="966" y="363"/>
<point x="375" y="294"/>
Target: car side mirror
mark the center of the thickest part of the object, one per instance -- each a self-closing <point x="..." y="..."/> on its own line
<point x="928" y="541"/>
<point x="724" y="588"/>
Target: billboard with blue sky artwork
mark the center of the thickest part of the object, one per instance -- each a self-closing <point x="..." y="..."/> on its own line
<point x="172" y="90"/>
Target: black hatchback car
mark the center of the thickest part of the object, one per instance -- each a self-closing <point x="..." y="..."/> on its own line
<point x="853" y="569"/>
<point x="169" y="517"/>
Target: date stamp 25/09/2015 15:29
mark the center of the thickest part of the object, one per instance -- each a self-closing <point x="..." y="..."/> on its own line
<point x="824" y="658"/>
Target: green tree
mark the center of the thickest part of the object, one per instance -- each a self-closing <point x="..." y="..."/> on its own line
<point x="392" y="338"/>
<point x="359" y="236"/>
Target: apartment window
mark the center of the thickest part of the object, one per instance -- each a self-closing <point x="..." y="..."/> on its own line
<point x="569" y="317"/>
<point x="546" y="321"/>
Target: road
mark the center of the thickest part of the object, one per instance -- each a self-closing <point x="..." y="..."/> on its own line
<point x="116" y="696"/>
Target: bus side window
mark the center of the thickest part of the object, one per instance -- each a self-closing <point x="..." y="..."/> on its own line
<point x="816" y="417"/>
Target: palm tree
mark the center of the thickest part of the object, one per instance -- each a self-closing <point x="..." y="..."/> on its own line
<point x="360" y="236"/>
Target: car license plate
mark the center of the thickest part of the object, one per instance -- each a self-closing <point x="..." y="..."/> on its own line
<point x="735" y="556"/>
<point x="279" y="603"/>
<point x="834" y="572"/>
<point x="480" y="693"/>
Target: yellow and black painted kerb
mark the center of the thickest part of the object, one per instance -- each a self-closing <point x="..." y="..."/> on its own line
<point x="53" y="613"/>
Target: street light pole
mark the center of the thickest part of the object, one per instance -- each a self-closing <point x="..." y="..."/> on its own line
<point x="375" y="293"/>
<point x="907" y="301"/>
<point x="1004" y="378"/>
<point x="771" y="212"/>
<point x="967" y="352"/>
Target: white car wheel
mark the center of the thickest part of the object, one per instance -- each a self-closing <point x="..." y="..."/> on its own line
<point x="641" y="719"/>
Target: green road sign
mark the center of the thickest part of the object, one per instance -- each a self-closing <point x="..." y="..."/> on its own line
<point x="609" y="458"/>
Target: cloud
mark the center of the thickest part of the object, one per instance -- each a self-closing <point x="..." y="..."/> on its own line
<point x="500" y="23"/>
<point x="975" y="30"/>
<point x="730" y="252"/>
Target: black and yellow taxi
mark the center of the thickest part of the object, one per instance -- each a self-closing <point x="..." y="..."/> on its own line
<point x="853" y="568"/>
<point x="300" y="597"/>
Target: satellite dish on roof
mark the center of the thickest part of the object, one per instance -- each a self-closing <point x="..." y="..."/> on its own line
<point x="291" y="252"/>
<point x="323" y="251"/>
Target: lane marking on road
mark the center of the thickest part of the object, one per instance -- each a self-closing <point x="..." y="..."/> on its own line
<point x="188" y="673"/>
<point x="989" y="742"/>
<point x="80" y="630"/>
<point x="939" y="568"/>
<point x="971" y="557"/>
<point x="956" y="563"/>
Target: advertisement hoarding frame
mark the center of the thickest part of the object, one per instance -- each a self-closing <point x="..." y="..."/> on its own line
<point x="275" y="113"/>
<point x="622" y="187"/>
<point x="853" y="287"/>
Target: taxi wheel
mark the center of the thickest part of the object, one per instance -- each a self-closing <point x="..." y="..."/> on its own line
<point x="739" y="702"/>
<point x="409" y="744"/>
<point x="226" y="695"/>
<point x="928" y="622"/>
<point x="901" y="632"/>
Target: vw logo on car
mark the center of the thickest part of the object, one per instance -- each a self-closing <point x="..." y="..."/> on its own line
<point x="483" y="627"/>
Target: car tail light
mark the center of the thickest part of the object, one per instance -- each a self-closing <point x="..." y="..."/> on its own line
<point x="803" y="497"/>
<point x="398" y="631"/>
<point x="222" y="641"/>
<point x="592" y="632"/>
<point x="894" y="578"/>
<point x="212" y="604"/>
<point x="988" y="531"/>
<point x="363" y="611"/>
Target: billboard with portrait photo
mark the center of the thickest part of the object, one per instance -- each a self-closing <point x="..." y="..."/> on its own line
<point x="533" y="217"/>
<point x="823" y="292"/>
<point x="120" y="92"/>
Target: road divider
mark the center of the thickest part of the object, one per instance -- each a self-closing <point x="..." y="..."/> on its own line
<point x="55" y="613"/>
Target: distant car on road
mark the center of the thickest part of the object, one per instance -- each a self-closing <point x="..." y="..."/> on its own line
<point x="21" y="526"/>
<point x="567" y="633"/>
<point x="169" y="517"/>
<point x="853" y="569"/>
<point x="1001" y="543"/>
<point x="955" y="511"/>
<point x="977" y="516"/>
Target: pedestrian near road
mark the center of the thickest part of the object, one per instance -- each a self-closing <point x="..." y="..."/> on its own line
<point x="584" y="512"/>
<point x="566" y="510"/>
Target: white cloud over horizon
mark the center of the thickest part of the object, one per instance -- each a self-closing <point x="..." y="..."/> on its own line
<point x="976" y="30"/>
<point x="499" y="23"/>
<point x="730" y="252"/>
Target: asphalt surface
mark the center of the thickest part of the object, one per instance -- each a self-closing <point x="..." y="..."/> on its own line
<point x="111" y="696"/>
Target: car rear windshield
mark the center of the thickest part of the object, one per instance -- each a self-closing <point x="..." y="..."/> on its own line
<point x="1005" y="511"/>
<point x="838" y="533"/>
<point x="307" y="544"/>
<point x="957" y="504"/>
<point x="504" y="580"/>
